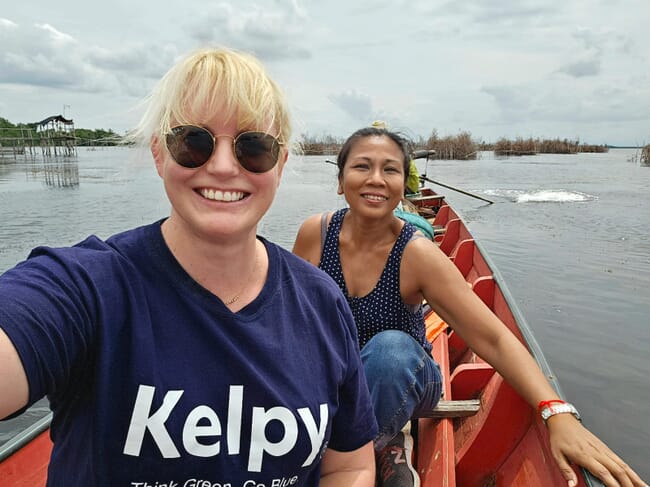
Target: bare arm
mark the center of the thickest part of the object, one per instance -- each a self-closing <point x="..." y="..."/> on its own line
<point x="308" y="240"/>
<point x="14" y="388"/>
<point x="352" y="469"/>
<point x="447" y="292"/>
<point x="444" y="288"/>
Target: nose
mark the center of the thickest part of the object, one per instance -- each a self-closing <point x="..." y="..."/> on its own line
<point x="375" y="176"/>
<point x="223" y="160"/>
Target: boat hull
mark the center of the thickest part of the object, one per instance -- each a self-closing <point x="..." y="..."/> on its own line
<point x="24" y="458"/>
<point x="506" y="442"/>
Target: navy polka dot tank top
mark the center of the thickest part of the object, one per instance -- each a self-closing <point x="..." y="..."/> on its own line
<point x="383" y="308"/>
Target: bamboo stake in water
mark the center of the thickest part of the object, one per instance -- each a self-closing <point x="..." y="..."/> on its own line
<point x="455" y="189"/>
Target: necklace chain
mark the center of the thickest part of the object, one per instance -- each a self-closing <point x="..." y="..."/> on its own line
<point x="236" y="297"/>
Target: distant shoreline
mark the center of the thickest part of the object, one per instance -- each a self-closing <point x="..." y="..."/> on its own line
<point x="625" y="146"/>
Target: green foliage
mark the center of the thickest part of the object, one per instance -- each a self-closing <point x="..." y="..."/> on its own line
<point x="96" y="137"/>
<point x="13" y="135"/>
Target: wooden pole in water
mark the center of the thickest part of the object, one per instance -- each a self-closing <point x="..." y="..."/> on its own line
<point x="455" y="189"/>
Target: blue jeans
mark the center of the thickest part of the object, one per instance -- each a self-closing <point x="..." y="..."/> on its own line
<point x="403" y="380"/>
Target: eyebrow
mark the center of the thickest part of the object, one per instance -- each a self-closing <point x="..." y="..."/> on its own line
<point x="384" y="161"/>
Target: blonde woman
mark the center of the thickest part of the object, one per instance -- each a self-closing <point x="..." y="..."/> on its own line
<point x="192" y="351"/>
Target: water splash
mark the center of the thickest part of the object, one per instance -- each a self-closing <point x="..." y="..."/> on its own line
<point x="554" y="196"/>
<point x="542" y="196"/>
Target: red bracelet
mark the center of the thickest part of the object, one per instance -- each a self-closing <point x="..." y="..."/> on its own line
<point x="547" y="404"/>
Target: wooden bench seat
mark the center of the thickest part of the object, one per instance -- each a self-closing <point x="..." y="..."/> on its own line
<point x="455" y="409"/>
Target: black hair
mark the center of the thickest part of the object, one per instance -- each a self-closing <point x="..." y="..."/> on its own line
<point x="347" y="146"/>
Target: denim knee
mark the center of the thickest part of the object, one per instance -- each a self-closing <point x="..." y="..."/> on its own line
<point x="403" y="379"/>
<point x="392" y="349"/>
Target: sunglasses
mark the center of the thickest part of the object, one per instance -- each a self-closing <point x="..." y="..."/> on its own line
<point x="192" y="146"/>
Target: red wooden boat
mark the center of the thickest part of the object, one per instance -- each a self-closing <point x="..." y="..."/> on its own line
<point x="24" y="458"/>
<point x="482" y="435"/>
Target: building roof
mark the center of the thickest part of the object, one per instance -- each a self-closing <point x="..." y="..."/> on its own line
<point x="55" y="118"/>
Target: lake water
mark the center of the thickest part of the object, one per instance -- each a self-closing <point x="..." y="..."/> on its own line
<point x="569" y="233"/>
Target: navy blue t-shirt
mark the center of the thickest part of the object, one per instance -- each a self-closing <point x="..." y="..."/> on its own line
<point x="152" y="379"/>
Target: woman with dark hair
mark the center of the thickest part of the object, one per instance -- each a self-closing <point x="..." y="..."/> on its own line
<point x="386" y="268"/>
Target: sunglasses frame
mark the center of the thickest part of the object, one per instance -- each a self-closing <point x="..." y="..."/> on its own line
<point x="276" y="142"/>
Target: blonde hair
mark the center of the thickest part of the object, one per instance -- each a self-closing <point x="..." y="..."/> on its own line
<point x="212" y="79"/>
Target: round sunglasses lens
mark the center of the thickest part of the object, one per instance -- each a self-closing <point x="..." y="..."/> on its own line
<point x="190" y="147"/>
<point x="256" y="151"/>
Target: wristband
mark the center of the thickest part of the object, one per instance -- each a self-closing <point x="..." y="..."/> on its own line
<point x="551" y="408"/>
<point x="546" y="404"/>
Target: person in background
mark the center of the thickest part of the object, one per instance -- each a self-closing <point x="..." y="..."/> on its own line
<point x="385" y="269"/>
<point x="191" y="348"/>
<point x="412" y="185"/>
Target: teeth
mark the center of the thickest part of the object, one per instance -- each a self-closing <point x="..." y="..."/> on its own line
<point x="374" y="197"/>
<point x="222" y="195"/>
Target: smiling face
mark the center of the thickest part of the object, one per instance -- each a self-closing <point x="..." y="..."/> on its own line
<point x="227" y="93"/>
<point x="218" y="200"/>
<point x="373" y="175"/>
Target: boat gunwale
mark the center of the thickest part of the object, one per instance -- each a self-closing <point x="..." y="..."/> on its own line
<point x="18" y="441"/>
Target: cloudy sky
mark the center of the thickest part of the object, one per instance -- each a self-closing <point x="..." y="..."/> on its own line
<point x="495" y="68"/>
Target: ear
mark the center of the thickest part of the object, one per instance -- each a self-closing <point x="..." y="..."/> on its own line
<point x="157" y="151"/>
<point x="340" y="188"/>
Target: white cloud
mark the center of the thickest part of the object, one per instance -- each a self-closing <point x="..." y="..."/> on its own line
<point x="505" y="68"/>
<point x="356" y="105"/>
<point x="580" y="69"/>
<point x="55" y="36"/>
<point x="270" y="33"/>
<point x="7" y="24"/>
<point x="40" y="55"/>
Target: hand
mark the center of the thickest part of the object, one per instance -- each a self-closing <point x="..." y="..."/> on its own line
<point x="573" y="443"/>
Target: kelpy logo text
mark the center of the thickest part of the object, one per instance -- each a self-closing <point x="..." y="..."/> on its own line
<point x="144" y="419"/>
